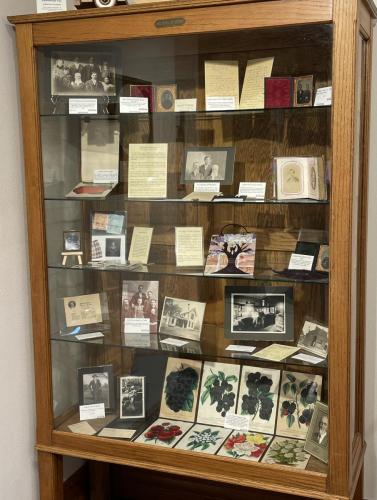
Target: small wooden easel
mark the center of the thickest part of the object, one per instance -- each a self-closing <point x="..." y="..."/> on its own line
<point x="65" y="256"/>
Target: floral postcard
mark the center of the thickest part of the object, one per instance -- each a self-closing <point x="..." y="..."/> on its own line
<point x="203" y="438"/>
<point x="164" y="432"/>
<point x="181" y="387"/>
<point x="299" y="393"/>
<point x="259" y="391"/>
<point x="245" y="445"/>
<point x="283" y="451"/>
<point x="218" y="392"/>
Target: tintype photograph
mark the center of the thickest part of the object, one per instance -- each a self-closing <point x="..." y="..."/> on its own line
<point x="139" y="300"/>
<point x="113" y="247"/>
<point x="303" y="91"/>
<point x="317" y="439"/>
<point x="314" y="338"/>
<point x="182" y="318"/>
<point x="165" y="96"/>
<point x="259" y="313"/>
<point x="323" y="260"/>
<point x="82" y="73"/>
<point x="96" y="385"/>
<point x="132" y="397"/>
<point x="208" y="165"/>
<point x="72" y="241"/>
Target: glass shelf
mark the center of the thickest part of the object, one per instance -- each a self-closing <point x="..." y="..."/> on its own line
<point x="193" y="114"/>
<point x="207" y="347"/>
<point x="123" y="197"/>
<point x="171" y="270"/>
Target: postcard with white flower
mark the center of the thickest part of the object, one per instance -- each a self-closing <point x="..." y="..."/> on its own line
<point x="218" y="392"/>
<point x="180" y="394"/>
<point x="259" y="392"/>
<point x="299" y="393"/>
<point x="283" y="451"/>
<point x="164" y="432"/>
<point x="204" y="439"/>
<point x="245" y="445"/>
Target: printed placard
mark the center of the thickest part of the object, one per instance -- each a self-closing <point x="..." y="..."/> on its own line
<point x="133" y="104"/>
<point x="206" y="187"/>
<point x="241" y="348"/>
<point x="237" y="422"/>
<point x="105" y="176"/>
<point x="301" y="262"/>
<point x="137" y="325"/>
<point x="44" y="6"/>
<point x="185" y="105"/>
<point x="83" y="107"/>
<point x="323" y="97"/>
<point x="91" y="412"/>
<point x="175" y="342"/>
<point x="256" y="190"/>
<point x="218" y="103"/>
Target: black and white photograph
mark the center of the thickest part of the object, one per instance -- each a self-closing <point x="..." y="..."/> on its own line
<point x="96" y="385"/>
<point x="303" y="91"/>
<point x="208" y="165"/>
<point x="317" y="439"/>
<point x="113" y="247"/>
<point x="314" y="338"/>
<point x="259" y="313"/>
<point x="82" y="73"/>
<point x="139" y="301"/>
<point x="72" y="241"/>
<point x="132" y="397"/>
<point x="182" y="318"/>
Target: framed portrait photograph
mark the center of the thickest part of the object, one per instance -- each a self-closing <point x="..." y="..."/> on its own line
<point x="317" y="438"/>
<point x="208" y="165"/>
<point x="323" y="260"/>
<point x="303" y="91"/>
<point x="300" y="177"/>
<point x="165" y="96"/>
<point x="182" y="318"/>
<point x="82" y="74"/>
<point x="314" y="338"/>
<point x="71" y="241"/>
<point x="139" y="307"/>
<point x="259" y="313"/>
<point x="96" y="385"/>
<point x="132" y="397"/>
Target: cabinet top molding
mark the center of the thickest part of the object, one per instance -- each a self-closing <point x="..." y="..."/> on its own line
<point x="140" y="8"/>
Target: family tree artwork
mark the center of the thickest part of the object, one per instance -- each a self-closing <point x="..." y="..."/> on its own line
<point x="259" y="389"/>
<point x="180" y="393"/>
<point x="204" y="439"/>
<point x="245" y="446"/>
<point x="289" y="452"/>
<point x="164" y="433"/>
<point x="298" y="395"/>
<point x="231" y="254"/>
<point x="218" y="392"/>
<point x="139" y="307"/>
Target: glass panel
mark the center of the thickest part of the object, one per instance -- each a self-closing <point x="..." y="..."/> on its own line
<point x="120" y="324"/>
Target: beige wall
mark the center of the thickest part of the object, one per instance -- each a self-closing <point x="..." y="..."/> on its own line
<point x="18" y="471"/>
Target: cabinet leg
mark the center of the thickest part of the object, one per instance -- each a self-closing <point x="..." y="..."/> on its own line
<point x="50" y="476"/>
<point x="359" y="488"/>
<point x="100" y="487"/>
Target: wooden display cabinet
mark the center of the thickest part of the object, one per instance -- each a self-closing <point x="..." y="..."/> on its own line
<point x="168" y="43"/>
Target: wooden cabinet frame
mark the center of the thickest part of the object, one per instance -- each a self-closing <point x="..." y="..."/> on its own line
<point x="351" y="19"/>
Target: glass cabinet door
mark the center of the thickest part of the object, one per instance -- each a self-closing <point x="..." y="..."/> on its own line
<point x="187" y="200"/>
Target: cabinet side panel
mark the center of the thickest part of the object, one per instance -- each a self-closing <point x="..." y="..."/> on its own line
<point x="344" y="61"/>
<point x="35" y="214"/>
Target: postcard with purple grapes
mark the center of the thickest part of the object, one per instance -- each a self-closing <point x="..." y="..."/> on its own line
<point x="218" y="392"/>
<point x="181" y="387"/>
<point x="231" y="254"/>
<point x="299" y="393"/>
<point x="259" y="392"/>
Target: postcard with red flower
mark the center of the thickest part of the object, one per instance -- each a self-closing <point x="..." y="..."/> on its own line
<point x="245" y="445"/>
<point x="164" y="432"/>
<point x="203" y="438"/>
